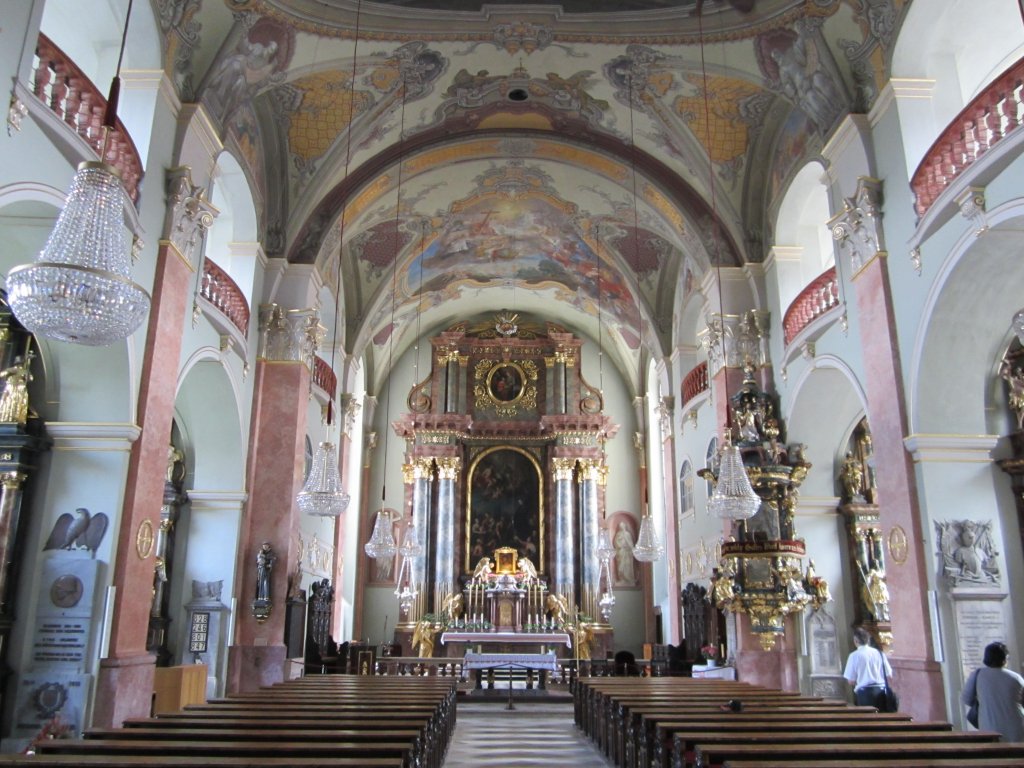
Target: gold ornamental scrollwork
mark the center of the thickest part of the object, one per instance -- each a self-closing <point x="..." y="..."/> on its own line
<point x="505" y="386"/>
<point x="144" y="539"/>
<point x="898" y="545"/>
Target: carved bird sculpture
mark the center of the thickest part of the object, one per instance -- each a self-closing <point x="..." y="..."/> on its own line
<point x="77" y="531"/>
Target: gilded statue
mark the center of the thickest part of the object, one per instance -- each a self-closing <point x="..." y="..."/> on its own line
<point x="528" y="569"/>
<point x="874" y="592"/>
<point x="14" y="400"/>
<point x="821" y="592"/>
<point x="452" y="607"/>
<point x="583" y="637"/>
<point x="1015" y="378"/>
<point x="423" y="639"/>
<point x="852" y="477"/>
<point x="483" y="569"/>
<point x="724" y="590"/>
<point x="558" y="607"/>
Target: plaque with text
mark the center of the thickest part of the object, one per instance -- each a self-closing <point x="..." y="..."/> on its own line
<point x="199" y="634"/>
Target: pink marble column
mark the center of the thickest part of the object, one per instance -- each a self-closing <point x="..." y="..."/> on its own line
<point x="911" y="653"/>
<point x="124" y="684"/>
<point x="277" y="436"/>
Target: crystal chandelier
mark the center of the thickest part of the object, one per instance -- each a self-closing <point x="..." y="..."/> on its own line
<point x="322" y="495"/>
<point x="382" y="541"/>
<point x="733" y="498"/>
<point x="648" y="546"/>
<point x="80" y="289"/>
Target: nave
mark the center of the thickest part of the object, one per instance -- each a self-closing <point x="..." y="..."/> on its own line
<point x="532" y="734"/>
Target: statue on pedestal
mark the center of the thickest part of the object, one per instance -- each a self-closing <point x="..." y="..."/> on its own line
<point x="14" y="400"/>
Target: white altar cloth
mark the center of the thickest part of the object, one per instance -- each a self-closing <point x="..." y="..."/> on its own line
<point x="545" y="661"/>
<point x="511" y="638"/>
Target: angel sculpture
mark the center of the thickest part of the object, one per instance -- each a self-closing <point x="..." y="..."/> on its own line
<point x="483" y="569"/>
<point x="452" y="607"/>
<point x="528" y="569"/>
<point x="559" y="609"/>
<point x="583" y="637"/>
<point x="423" y="639"/>
<point x="968" y="554"/>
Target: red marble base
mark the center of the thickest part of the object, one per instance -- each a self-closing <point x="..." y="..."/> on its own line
<point x="250" y="667"/>
<point x="124" y="688"/>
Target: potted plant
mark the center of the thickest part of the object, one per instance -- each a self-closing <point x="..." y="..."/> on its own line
<point x="710" y="654"/>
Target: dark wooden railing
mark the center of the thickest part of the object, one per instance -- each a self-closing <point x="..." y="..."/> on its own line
<point x="695" y="382"/>
<point x="220" y="290"/>
<point x="988" y="119"/>
<point x="821" y="295"/>
<point x="324" y="377"/>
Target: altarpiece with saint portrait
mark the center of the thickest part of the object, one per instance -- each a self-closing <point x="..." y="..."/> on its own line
<point x="504" y="481"/>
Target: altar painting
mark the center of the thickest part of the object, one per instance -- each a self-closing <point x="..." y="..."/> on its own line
<point x="504" y="506"/>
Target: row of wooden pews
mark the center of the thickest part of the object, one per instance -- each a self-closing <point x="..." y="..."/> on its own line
<point x="329" y="721"/>
<point x="679" y="722"/>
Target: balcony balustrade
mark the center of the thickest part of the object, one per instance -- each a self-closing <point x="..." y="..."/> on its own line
<point x="69" y="94"/>
<point x="221" y="291"/>
<point x="988" y="119"/>
<point x="324" y="377"/>
<point x="821" y="295"/>
<point x="695" y="382"/>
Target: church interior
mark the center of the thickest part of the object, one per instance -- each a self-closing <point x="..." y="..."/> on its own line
<point x="439" y="329"/>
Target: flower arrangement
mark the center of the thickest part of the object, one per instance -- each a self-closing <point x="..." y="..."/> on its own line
<point x="709" y="651"/>
<point x="55" y="728"/>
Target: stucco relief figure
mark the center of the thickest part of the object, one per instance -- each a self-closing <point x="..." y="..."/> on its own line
<point x="14" y="400"/>
<point x="968" y="554"/>
<point x="1015" y="378"/>
<point x="792" y="63"/>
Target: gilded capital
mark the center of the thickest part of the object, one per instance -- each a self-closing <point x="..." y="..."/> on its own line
<point x="561" y="469"/>
<point x="12" y="480"/>
<point x="448" y="467"/>
<point x="189" y="215"/>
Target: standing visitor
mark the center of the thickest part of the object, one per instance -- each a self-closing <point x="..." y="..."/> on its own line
<point x="866" y="670"/>
<point x="999" y="694"/>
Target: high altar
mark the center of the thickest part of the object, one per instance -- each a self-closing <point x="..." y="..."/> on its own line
<point x="504" y="460"/>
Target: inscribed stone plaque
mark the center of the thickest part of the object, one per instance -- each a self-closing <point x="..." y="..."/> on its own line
<point x="824" y="643"/>
<point x="980" y="620"/>
<point x="45" y="694"/>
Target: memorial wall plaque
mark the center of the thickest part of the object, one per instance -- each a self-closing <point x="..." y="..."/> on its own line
<point x="980" y="618"/>
<point x="821" y="628"/>
<point x="46" y="694"/>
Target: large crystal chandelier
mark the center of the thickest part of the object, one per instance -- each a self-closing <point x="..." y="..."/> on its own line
<point x="382" y="540"/>
<point x="733" y="497"/>
<point x="648" y="546"/>
<point x="322" y="495"/>
<point x="80" y="288"/>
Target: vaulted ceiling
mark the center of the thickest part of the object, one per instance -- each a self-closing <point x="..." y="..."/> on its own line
<point x="586" y="161"/>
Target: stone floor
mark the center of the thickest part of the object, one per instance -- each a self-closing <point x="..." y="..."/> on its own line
<point x="532" y="734"/>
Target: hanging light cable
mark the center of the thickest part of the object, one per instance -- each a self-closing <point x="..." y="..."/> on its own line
<point x="733" y="498"/>
<point x="411" y="533"/>
<point x="79" y="289"/>
<point x="648" y="547"/>
<point x="323" y="494"/>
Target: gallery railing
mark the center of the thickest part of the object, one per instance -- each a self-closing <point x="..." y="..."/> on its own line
<point x="221" y="291"/>
<point x="695" y="382"/>
<point x="820" y="295"/>
<point x="70" y="95"/>
<point x="324" y="377"/>
<point x="988" y="119"/>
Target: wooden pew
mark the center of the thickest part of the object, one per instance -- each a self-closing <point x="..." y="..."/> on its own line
<point x="710" y="755"/>
<point x="890" y="762"/>
<point x="685" y="743"/>
<point x="165" y="761"/>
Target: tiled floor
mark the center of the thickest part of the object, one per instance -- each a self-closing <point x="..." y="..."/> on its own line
<point x="533" y="734"/>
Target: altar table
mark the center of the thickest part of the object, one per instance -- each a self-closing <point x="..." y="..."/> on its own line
<point x="544" y="662"/>
<point x="511" y="638"/>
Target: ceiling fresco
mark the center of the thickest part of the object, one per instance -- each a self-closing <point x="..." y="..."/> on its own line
<point x="579" y="154"/>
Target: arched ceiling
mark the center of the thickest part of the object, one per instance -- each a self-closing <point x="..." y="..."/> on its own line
<point x="587" y="160"/>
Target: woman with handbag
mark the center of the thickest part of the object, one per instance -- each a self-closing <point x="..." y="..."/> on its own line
<point x="867" y="670"/>
<point x="998" y="694"/>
